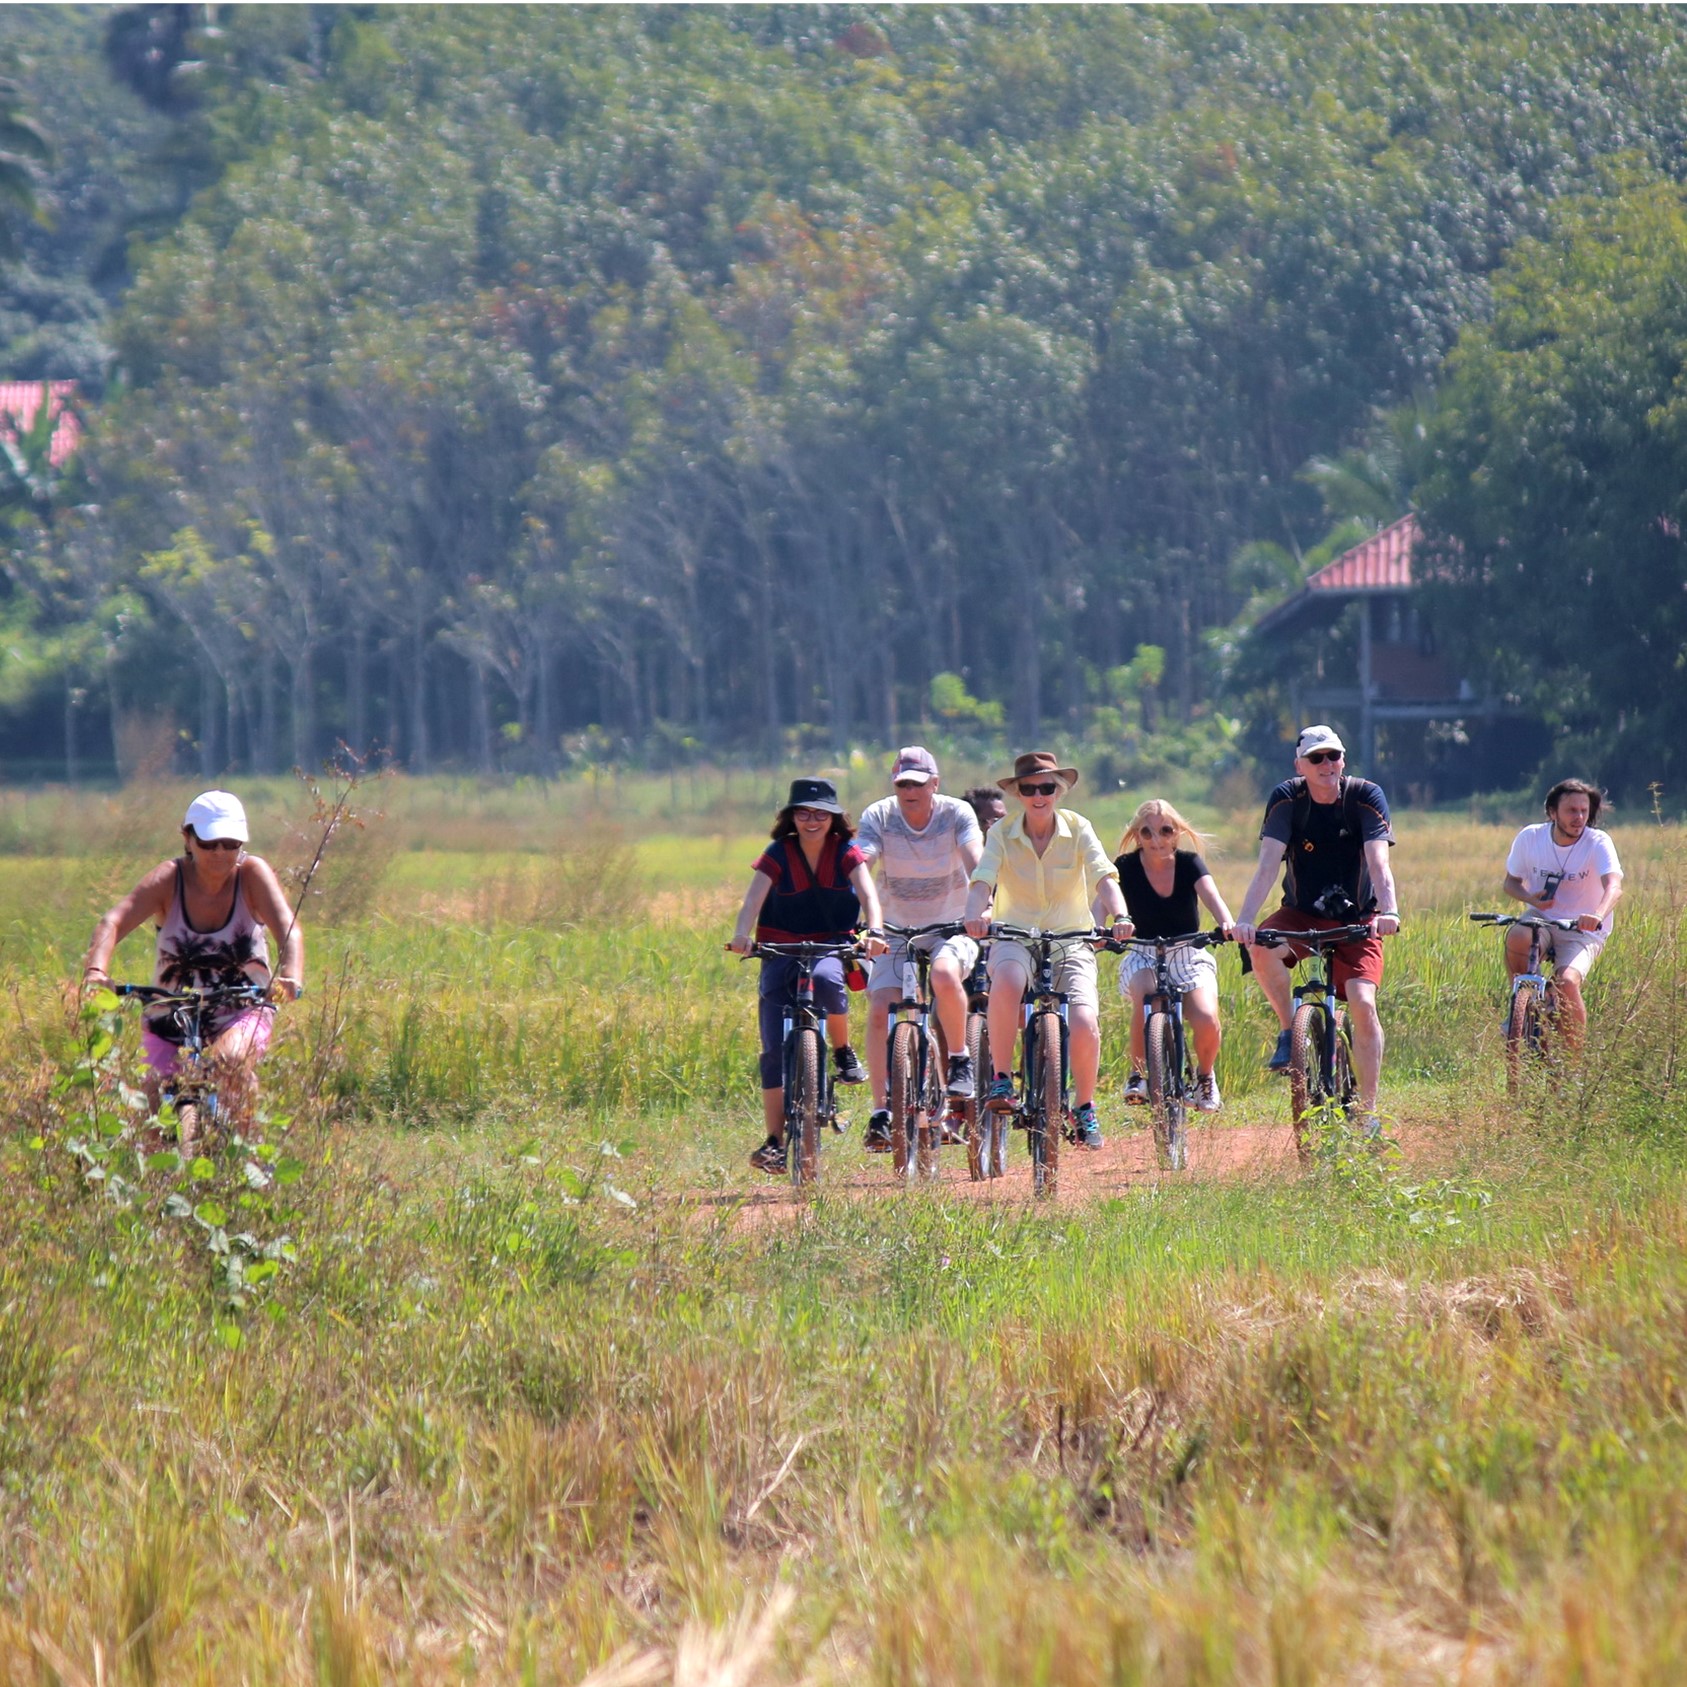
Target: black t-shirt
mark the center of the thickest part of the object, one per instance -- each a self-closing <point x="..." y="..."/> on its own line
<point x="1327" y="849"/>
<point x="1155" y="915"/>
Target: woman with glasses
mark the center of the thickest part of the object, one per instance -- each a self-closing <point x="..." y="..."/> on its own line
<point x="1043" y="868"/>
<point x="1165" y="888"/>
<point x="811" y="884"/>
<point x="213" y="905"/>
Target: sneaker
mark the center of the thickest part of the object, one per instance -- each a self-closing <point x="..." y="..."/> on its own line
<point x="848" y="1063"/>
<point x="1136" y="1090"/>
<point x="999" y="1098"/>
<point x="1370" y="1127"/>
<point x="1086" y="1127"/>
<point x="1279" y="1061"/>
<point x="770" y="1157"/>
<point x="878" y="1131"/>
<point x="960" y="1077"/>
<point x="1207" y="1098"/>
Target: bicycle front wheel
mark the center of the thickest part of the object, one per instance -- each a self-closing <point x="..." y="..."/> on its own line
<point x="1307" y="1089"/>
<point x="980" y="1121"/>
<point x="904" y="1095"/>
<point x="1345" y="1091"/>
<point x="1524" y="1038"/>
<point x="933" y="1104"/>
<point x="1168" y="1100"/>
<point x="802" y="1107"/>
<point x="1044" y="1098"/>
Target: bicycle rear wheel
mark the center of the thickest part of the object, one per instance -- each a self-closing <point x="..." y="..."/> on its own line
<point x="1524" y="1034"/>
<point x="1044" y="1105"/>
<point x="904" y="1099"/>
<point x="980" y="1122"/>
<point x="802" y="1107"/>
<point x="1168" y="1099"/>
<point x="1307" y="1091"/>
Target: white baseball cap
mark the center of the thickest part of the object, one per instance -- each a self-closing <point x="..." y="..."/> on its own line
<point x="215" y="815"/>
<point x="1318" y="738"/>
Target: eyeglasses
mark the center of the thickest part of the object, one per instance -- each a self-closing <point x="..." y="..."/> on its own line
<point x="1316" y="757"/>
<point x="1164" y="832"/>
<point x="812" y="813"/>
<point x="1047" y="790"/>
<point x="218" y="843"/>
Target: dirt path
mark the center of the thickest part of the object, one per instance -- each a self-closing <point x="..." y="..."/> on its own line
<point x="1124" y="1163"/>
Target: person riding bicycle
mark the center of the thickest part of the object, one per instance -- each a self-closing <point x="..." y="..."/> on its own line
<point x="1331" y="836"/>
<point x="988" y="804"/>
<point x="811" y="884"/>
<point x="1044" y="868"/>
<point x="213" y="906"/>
<point x="926" y="846"/>
<point x="1566" y="868"/>
<point x="1165" y="888"/>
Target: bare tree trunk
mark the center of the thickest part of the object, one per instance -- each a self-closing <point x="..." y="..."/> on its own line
<point x="72" y="698"/>
<point x="418" y="745"/>
<point x="207" y="721"/>
<point x="267" y="712"/>
<point x="304" y="709"/>
<point x="357" y="689"/>
<point x="480" y="719"/>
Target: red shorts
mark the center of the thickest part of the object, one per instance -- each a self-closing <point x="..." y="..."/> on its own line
<point x="1361" y="958"/>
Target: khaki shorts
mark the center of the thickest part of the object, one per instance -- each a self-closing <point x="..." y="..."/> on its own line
<point x="887" y="968"/>
<point x="1571" y="951"/>
<point x="1074" y="969"/>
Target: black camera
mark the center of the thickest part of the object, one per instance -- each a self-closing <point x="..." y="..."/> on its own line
<point x="1334" y="903"/>
<point x="1549" y="887"/>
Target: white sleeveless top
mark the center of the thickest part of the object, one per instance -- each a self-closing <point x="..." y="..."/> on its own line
<point x="188" y="958"/>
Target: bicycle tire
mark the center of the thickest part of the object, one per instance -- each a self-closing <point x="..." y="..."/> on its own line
<point x="1525" y="1034"/>
<point x="1346" y="1090"/>
<point x="1168" y="1099"/>
<point x="933" y="1104"/>
<point x="1044" y="1100"/>
<point x="802" y="1107"/>
<point x="980" y="1122"/>
<point x="1306" y="1072"/>
<point x="904" y="1101"/>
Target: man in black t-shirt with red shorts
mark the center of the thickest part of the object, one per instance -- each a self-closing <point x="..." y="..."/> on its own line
<point x="1331" y="836"/>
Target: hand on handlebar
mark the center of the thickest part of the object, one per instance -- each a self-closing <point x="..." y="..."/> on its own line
<point x="1385" y="925"/>
<point x="979" y="927"/>
<point x="285" y="988"/>
<point x="741" y="943"/>
<point x="873" y="943"/>
<point x="1587" y="922"/>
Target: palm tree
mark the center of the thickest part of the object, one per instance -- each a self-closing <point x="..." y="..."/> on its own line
<point x="23" y="145"/>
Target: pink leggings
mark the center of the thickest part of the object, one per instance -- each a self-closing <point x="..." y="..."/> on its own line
<point x="243" y="1038"/>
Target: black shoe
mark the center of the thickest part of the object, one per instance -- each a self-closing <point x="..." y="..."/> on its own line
<point x="770" y="1157"/>
<point x="1280" y="1060"/>
<point x="961" y="1084"/>
<point x="878" y="1132"/>
<point x="849" y="1067"/>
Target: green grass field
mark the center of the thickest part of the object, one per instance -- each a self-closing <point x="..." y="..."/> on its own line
<point x="520" y="1374"/>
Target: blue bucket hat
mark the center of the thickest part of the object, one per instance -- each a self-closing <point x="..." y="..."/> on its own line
<point x="814" y="793"/>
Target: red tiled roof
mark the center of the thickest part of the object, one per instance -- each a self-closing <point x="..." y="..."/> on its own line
<point x="1381" y="564"/>
<point x="19" y="400"/>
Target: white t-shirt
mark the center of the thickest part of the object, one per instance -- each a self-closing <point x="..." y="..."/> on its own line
<point x="922" y="878"/>
<point x="1584" y="864"/>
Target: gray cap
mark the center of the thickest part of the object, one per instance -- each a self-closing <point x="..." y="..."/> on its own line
<point x="915" y="765"/>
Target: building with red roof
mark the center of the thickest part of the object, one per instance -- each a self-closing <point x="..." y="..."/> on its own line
<point x="1392" y="683"/>
<point x="19" y="402"/>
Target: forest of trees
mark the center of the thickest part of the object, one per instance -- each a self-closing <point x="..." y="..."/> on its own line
<point x="475" y="381"/>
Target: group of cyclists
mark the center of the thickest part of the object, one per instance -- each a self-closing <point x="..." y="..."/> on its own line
<point x="1008" y="854"/>
<point x="922" y="859"/>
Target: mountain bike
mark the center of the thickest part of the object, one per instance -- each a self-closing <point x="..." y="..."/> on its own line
<point x="986" y="1132"/>
<point x="1169" y="1060"/>
<point x="1041" y="1107"/>
<point x="193" y="1090"/>
<point x="811" y="1103"/>
<point x="1320" y="1039"/>
<point x="918" y="1104"/>
<point x="1534" y="1000"/>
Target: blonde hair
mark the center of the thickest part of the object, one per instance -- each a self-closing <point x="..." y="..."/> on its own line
<point x="1154" y="806"/>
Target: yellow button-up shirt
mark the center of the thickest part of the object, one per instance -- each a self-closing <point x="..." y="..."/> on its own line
<point x="1052" y="891"/>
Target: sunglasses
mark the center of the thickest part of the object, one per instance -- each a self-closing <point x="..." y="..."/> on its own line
<point x="1047" y="790"/>
<point x="1164" y="832"/>
<point x="218" y="843"/>
<point x="1318" y="756"/>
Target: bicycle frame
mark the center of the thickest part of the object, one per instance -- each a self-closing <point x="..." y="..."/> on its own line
<point x="194" y="1082"/>
<point x="800" y="1016"/>
<point x="1532" y="979"/>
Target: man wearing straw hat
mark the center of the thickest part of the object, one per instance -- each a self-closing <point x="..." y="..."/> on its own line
<point x="1044" y="867"/>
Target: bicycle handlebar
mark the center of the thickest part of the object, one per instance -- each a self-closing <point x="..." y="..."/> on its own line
<point x="1193" y="939"/>
<point x="1500" y="920"/>
<point x="1333" y="938"/>
<point x="1035" y="934"/>
<point x="846" y="950"/>
<point x="938" y="928"/>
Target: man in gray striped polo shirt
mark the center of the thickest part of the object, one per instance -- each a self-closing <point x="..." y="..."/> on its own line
<point x="925" y="846"/>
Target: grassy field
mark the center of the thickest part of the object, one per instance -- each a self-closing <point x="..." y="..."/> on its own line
<point x="514" y="1378"/>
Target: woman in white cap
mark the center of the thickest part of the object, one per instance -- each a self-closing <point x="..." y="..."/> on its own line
<point x="212" y="906"/>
